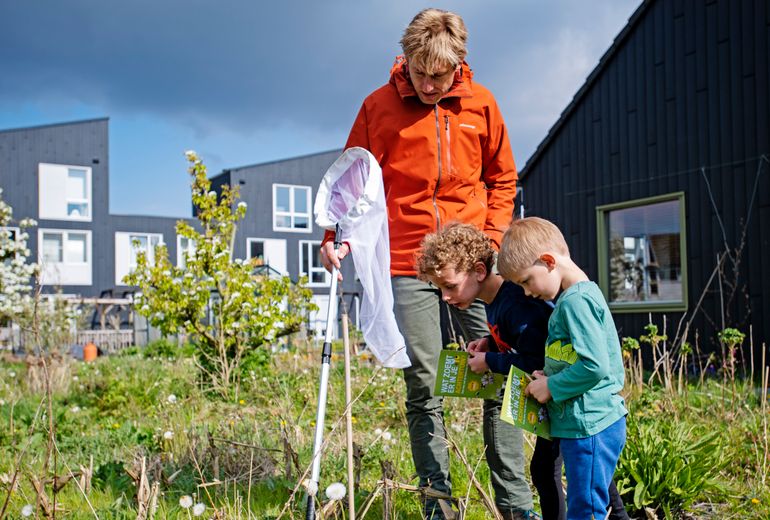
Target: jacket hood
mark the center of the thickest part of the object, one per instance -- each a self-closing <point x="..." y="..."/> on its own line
<point x="399" y="77"/>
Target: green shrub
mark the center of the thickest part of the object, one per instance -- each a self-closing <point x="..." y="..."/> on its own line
<point x="668" y="464"/>
<point x="161" y="348"/>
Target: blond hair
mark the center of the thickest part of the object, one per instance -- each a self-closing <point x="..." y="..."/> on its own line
<point x="435" y="39"/>
<point x="458" y="246"/>
<point x="523" y="243"/>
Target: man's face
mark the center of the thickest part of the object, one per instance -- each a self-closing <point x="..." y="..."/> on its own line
<point x="431" y="85"/>
<point x="458" y="289"/>
<point x="538" y="281"/>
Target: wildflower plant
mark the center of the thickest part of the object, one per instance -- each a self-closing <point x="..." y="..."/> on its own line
<point x="227" y="309"/>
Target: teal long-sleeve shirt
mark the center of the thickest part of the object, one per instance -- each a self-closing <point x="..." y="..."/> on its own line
<point x="584" y="364"/>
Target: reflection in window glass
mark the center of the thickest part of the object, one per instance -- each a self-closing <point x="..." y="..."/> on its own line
<point x="300" y="201"/>
<point x="282" y="197"/>
<point x="77" y="193"/>
<point x="52" y="248"/>
<point x="301" y="222"/>
<point x="645" y="263"/>
<point x="76" y="248"/>
<point x="77" y="209"/>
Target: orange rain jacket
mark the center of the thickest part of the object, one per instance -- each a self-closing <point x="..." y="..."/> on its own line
<point x="444" y="162"/>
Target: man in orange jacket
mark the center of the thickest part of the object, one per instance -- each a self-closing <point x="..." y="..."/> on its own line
<point x="443" y="148"/>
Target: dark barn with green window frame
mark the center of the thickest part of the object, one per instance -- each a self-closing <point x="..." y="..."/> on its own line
<point x="657" y="172"/>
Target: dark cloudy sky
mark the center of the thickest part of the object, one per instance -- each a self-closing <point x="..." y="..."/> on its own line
<point x="247" y="81"/>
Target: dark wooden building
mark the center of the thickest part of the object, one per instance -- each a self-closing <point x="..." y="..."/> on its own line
<point x="657" y="172"/>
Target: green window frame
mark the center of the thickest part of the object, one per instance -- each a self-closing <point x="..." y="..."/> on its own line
<point x="644" y="278"/>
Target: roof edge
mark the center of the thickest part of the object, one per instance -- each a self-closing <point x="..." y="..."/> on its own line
<point x="50" y="125"/>
<point x="624" y="33"/>
<point x="304" y="156"/>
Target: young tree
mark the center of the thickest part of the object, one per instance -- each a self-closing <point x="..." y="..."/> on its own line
<point x="227" y="309"/>
<point x="16" y="274"/>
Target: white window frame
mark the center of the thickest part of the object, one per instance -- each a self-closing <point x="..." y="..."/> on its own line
<point x="291" y="213"/>
<point x="180" y="252"/>
<point x="306" y="248"/>
<point x="49" y="196"/>
<point x="65" y="271"/>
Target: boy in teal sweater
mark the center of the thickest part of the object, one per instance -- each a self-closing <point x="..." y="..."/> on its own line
<point x="583" y="371"/>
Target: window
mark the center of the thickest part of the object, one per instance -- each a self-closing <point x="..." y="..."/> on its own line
<point x="256" y="250"/>
<point x="142" y="243"/>
<point x="291" y="208"/>
<point x="128" y="245"/>
<point x="271" y="251"/>
<point x="64" y="192"/>
<point x="310" y="263"/>
<point x="65" y="256"/>
<point x="185" y="247"/>
<point x="642" y="254"/>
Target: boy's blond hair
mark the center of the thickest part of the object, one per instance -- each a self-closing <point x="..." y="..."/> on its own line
<point x="434" y="39"/>
<point x="458" y="246"/>
<point x="523" y="243"/>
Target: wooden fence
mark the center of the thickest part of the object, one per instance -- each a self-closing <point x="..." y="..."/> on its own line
<point x="109" y="341"/>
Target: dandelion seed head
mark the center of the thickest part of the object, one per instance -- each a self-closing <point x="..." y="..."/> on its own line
<point x="198" y="509"/>
<point x="27" y="510"/>
<point x="186" y="501"/>
<point x="335" y="491"/>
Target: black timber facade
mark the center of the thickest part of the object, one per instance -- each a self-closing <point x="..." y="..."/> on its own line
<point x="678" y="107"/>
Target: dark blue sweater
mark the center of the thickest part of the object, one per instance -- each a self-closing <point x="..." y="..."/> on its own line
<point x="518" y="326"/>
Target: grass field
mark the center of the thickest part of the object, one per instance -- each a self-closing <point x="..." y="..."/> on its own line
<point x="137" y="430"/>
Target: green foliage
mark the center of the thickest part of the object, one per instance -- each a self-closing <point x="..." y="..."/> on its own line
<point x="629" y="344"/>
<point x="652" y="337"/>
<point x="246" y="310"/>
<point x="731" y="337"/>
<point x="668" y="465"/>
<point x="164" y="348"/>
<point x="119" y="410"/>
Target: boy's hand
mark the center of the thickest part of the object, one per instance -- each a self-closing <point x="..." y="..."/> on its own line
<point x="478" y="362"/>
<point x="539" y="387"/>
<point x="479" y="345"/>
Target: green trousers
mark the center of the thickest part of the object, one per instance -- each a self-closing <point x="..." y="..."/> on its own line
<point x="417" y="309"/>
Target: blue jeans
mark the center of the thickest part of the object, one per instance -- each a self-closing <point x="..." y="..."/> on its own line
<point x="590" y="464"/>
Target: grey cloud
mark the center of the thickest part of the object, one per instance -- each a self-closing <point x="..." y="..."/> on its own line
<point x="250" y="66"/>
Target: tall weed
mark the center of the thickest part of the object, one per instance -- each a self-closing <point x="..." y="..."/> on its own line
<point x="668" y="465"/>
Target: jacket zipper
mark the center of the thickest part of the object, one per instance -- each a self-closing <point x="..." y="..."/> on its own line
<point x="448" y="146"/>
<point x="438" y="180"/>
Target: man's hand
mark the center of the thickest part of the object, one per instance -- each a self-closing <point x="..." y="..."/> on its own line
<point x="478" y="362"/>
<point x="538" y="388"/>
<point x="479" y="345"/>
<point x="330" y="258"/>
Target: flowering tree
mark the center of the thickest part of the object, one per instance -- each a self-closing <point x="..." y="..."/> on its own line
<point x="228" y="310"/>
<point x="16" y="274"/>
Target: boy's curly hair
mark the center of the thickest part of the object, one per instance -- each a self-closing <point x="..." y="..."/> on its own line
<point x="458" y="246"/>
